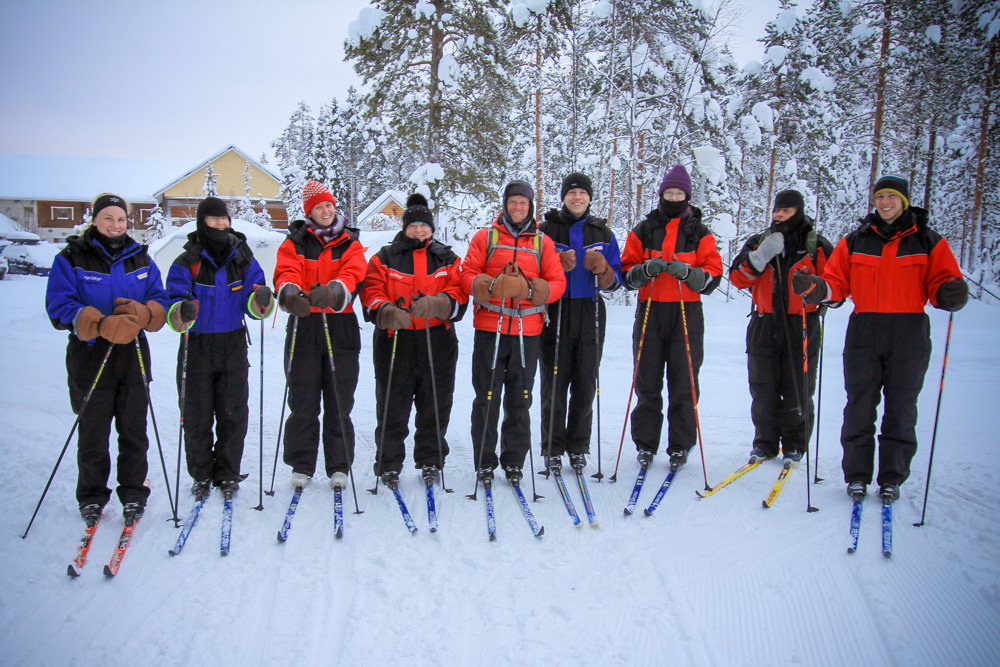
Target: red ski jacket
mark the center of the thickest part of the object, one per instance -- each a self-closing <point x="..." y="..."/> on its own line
<point x="304" y="260"/>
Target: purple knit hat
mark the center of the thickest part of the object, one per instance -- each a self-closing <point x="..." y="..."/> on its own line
<point x="678" y="178"/>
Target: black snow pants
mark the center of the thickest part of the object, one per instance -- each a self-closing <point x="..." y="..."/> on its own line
<point x="664" y="346"/>
<point x="884" y="353"/>
<point x="516" y="383"/>
<point x="774" y="366"/>
<point x="578" y="361"/>
<point x="312" y="384"/>
<point x="119" y="395"/>
<point x="411" y="385"/>
<point x="216" y="390"/>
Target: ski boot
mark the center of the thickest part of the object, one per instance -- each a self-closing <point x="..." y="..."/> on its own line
<point x="578" y="461"/>
<point x="391" y="479"/>
<point x="299" y="480"/>
<point x="793" y="455"/>
<point x="513" y="474"/>
<point x="201" y="489"/>
<point x="338" y="480"/>
<point x="678" y="457"/>
<point x="132" y="512"/>
<point x="758" y="454"/>
<point x="644" y="457"/>
<point x="229" y="488"/>
<point x="91" y="514"/>
<point x="430" y="474"/>
<point x="889" y="493"/>
<point x="857" y="491"/>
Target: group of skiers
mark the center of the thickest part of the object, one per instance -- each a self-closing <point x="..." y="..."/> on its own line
<point x="536" y="291"/>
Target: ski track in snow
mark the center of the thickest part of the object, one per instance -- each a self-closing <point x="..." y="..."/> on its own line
<point x="716" y="581"/>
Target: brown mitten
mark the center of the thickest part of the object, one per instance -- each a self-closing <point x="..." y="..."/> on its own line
<point x="539" y="291"/>
<point x="391" y="317"/>
<point x="119" y="329"/>
<point x="568" y="259"/>
<point x="438" y="306"/>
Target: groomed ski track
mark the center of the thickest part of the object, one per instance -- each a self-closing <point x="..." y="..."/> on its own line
<point x="717" y="581"/>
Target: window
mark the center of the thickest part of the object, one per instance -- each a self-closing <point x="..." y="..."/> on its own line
<point x="62" y="212"/>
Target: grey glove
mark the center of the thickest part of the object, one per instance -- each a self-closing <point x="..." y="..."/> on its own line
<point x="697" y="278"/>
<point x="678" y="269"/>
<point x="772" y="245"/>
<point x="655" y="267"/>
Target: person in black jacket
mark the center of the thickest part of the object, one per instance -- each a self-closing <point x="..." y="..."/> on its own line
<point x="780" y="390"/>
<point x="104" y="285"/>
<point x="590" y="257"/>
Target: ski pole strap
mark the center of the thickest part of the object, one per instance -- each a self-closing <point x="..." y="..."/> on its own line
<point x="510" y="312"/>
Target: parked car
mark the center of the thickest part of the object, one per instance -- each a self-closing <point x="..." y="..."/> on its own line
<point x="4" y="267"/>
<point x="28" y="254"/>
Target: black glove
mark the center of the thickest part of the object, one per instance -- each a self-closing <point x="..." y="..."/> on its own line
<point x="262" y="295"/>
<point x="810" y="287"/>
<point x="953" y="294"/>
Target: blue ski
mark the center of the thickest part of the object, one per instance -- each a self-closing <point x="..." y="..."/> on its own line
<point x="227" y="523"/>
<point x="855" y="527"/>
<point x="338" y="512"/>
<point x="292" y="506"/>
<point x="587" y="504"/>
<point x="491" y="522"/>
<point x="567" y="501"/>
<point x="536" y="530"/>
<point x="432" y="516"/>
<point x="887" y="530"/>
<point x="407" y="519"/>
<point x="659" y="494"/>
<point x="634" y="498"/>
<point x="188" y="526"/>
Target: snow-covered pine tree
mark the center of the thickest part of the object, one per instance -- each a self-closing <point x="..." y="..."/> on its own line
<point x="210" y="178"/>
<point x="293" y="153"/>
<point x="157" y="225"/>
<point x="438" y="72"/>
<point x="244" y="205"/>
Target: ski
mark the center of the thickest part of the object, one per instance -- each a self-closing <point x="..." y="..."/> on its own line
<point x="634" y="498"/>
<point x="111" y="569"/>
<point x="536" y="530"/>
<point x="491" y="522"/>
<point x="407" y="519"/>
<point x="887" y="530"/>
<point x="188" y="526"/>
<point x="742" y="470"/>
<point x="338" y="512"/>
<point x="74" y="568"/>
<point x="227" y="523"/>
<point x="292" y="506"/>
<point x="585" y="494"/>
<point x="432" y="517"/>
<point x="567" y="501"/>
<point x="855" y="527"/>
<point x="776" y="489"/>
<point x="659" y="494"/>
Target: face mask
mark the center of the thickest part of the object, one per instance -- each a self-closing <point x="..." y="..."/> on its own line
<point x="113" y="244"/>
<point x="672" y="209"/>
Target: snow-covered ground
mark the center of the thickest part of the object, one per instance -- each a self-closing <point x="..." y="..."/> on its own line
<point x="719" y="581"/>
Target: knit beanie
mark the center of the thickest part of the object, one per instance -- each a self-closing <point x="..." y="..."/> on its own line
<point x="314" y="193"/>
<point x="105" y="200"/>
<point x="894" y="183"/>
<point x="576" y="180"/>
<point x="678" y="178"/>
<point x="789" y="199"/>
<point x="417" y="211"/>
<point x="519" y="188"/>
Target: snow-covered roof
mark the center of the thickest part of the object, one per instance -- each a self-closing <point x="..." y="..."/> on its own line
<point x="398" y="195"/>
<point x="60" y="178"/>
<point x="7" y="225"/>
<point x="157" y="193"/>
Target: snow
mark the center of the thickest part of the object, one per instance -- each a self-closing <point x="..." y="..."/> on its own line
<point x="933" y="33"/>
<point x="784" y="23"/>
<point x="365" y="25"/>
<point x="424" y="9"/>
<point x="775" y="55"/>
<point x="718" y="581"/>
<point x="711" y="163"/>
<point x="819" y="81"/>
<point x="449" y="70"/>
<point x="7" y="225"/>
<point x="753" y="68"/>
<point x="602" y="9"/>
<point x="764" y="116"/>
<point x="520" y="14"/>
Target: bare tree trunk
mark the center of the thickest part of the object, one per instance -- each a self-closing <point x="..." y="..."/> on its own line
<point x="611" y="194"/>
<point x="932" y="153"/>
<point x="975" y="253"/>
<point x="774" y="143"/>
<point x="607" y="108"/>
<point x="879" y="105"/>
<point x="639" y="169"/>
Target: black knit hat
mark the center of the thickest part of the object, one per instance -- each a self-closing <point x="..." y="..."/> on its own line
<point x="520" y="189"/>
<point x="789" y="199"/>
<point x="894" y="183"/>
<point x="212" y="206"/>
<point x="417" y="211"/>
<point x="105" y="200"/>
<point x="576" y="180"/>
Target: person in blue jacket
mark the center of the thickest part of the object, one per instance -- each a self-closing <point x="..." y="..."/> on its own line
<point x="211" y="286"/>
<point x="105" y="290"/>
<point x="588" y="251"/>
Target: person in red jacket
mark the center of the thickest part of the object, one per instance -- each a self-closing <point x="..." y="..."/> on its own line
<point x="890" y="266"/>
<point x="511" y="270"/>
<point x="781" y="392"/>
<point x="671" y="240"/>
<point x="413" y="288"/>
<point x="320" y="269"/>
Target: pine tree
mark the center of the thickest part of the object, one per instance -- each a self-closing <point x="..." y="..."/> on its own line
<point x="210" y="178"/>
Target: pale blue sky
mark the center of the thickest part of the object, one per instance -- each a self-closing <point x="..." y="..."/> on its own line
<point x="181" y="79"/>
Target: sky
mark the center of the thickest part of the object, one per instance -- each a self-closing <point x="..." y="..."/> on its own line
<point x="181" y="80"/>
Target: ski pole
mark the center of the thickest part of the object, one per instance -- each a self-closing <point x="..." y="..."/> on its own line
<point x="284" y="402"/>
<point x="553" y="393"/>
<point x="597" y="374"/>
<point x="489" y="401"/>
<point x="635" y="373"/>
<point x="385" y="412"/>
<point x="156" y="432"/>
<point x="437" y="415"/>
<point x="819" y="396"/>
<point x="805" y="404"/>
<point x="694" y="394"/>
<point x="180" y="428"/>
<point x="937" y="413"/>
<point x="340" y="410"/>
<point x="76" y="422"/>
<point x="260" y="454"/>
